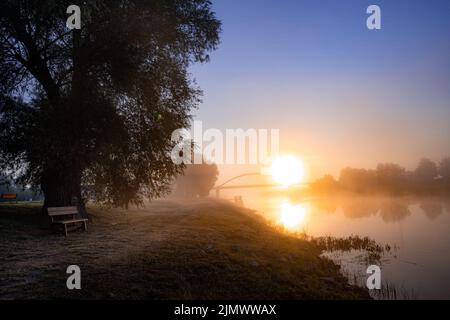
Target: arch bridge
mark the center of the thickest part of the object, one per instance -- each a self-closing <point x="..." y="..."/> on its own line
<point x="226" y="186"/>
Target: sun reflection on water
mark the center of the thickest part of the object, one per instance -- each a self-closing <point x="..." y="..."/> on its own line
<point x="292" y="217"/>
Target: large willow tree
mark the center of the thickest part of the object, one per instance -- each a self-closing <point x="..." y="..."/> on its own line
<point x="92" y="111"/>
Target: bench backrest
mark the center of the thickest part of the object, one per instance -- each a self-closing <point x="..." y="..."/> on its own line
<point x="62" y="211"/>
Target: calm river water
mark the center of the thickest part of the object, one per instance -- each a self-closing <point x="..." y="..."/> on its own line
<point x="417" y="228"/>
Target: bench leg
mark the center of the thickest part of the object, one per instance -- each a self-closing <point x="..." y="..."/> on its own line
<point x="65" y="229"/>
<point x="85" y="226"/>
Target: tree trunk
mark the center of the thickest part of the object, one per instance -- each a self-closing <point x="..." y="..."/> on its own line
<point x="62" y="189"/>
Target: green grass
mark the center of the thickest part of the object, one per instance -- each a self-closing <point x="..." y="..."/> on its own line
<point x="167" y="250"/>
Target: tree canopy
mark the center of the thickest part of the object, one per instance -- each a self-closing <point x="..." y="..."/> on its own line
<point x="96" y="107"/>
<point x="426" y="170"/>
<point x="197" y="180"/>
<point x="444" y="168"/>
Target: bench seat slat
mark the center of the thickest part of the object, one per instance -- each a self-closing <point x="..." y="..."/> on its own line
<point x="66" y="213"/>
<point x="70" y="221"/>
<point x="57" y="209"/>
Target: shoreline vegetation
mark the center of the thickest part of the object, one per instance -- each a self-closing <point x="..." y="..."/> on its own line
<point x="204" y="249"/>
<point x="388" y="179"/>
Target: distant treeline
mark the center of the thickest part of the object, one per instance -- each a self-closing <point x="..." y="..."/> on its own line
<point x="23" y="193"/>
<point x="429" y="177"/>
<point x="196" y="181"/>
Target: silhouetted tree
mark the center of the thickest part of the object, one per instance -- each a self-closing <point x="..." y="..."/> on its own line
<point x="3" y="180"/>
<point x="4" y="185"/>
<point x="97" y="106"/>
<point x="390" y="177"/>
<point x="425" y="177"/>
<point x="357" y="180"/>
<point x="444" y="168"/>
<point x="196" y="181"/>
<point x="325" y="184"/>
<point x="426" y="171"/>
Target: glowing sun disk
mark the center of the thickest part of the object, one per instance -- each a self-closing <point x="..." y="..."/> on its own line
<point x="287" y="170"/>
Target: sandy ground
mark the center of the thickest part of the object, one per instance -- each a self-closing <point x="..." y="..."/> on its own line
<point x="167" y="250"/>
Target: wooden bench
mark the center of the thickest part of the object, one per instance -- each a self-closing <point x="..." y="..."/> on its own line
<point x="67" y="218"/>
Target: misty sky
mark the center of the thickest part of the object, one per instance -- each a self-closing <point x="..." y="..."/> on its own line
<point x="340" y="93"/>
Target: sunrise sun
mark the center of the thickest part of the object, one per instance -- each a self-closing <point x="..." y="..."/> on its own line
<point x="287" y="170"/>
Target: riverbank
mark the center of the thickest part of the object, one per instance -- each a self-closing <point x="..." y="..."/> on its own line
<point x="167" y="250"/>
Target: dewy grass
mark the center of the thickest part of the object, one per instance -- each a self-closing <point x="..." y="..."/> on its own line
<point x="167" y="250"/>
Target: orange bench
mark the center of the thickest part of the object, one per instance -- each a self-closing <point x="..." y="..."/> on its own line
<point x="9" y="197"/>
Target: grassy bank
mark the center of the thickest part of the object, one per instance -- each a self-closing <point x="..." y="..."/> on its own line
<point x="167" y="250"/>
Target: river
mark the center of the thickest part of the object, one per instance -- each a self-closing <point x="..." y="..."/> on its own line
<point x="417" y="230"/>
